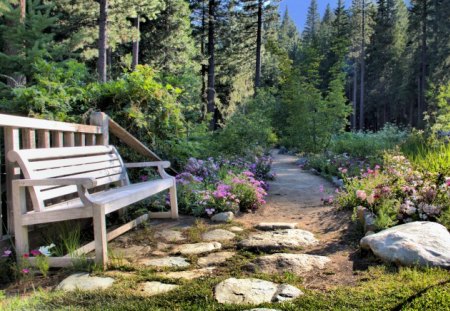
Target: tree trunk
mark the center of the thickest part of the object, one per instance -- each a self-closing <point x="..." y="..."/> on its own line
<point x="355" y="94"/>
<point x="423" y="63"/>
<point x="363" y="66"/>
<point x="204" y="70"/>
<point x="102" y="41"/>
<point x="211" y="91"/>
<point x="135" y="60"/>
<point x="258" y="47"/>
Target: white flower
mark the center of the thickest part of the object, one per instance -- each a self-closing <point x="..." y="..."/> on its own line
<point x="45" y="250"/>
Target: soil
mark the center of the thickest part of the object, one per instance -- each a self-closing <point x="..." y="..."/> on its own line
<point x="295" y="196"/>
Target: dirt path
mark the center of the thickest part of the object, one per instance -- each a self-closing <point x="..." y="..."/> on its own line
<point x="295" y="196"/>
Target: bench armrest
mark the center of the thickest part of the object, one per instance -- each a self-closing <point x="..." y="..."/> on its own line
<point x="160" y="164"/>
<point x="164" y="164"/>
<point x="82" y="181"/>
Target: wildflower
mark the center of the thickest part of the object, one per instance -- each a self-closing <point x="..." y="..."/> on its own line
<point x="321" y="189"/>
<point x="143" y="178"/>
<point x="26" y="255"/>
<point x="210" y="211"/>
<point x="7" y="253"/>
<point x="361" y="194"/>
<point x="25" y="271"/>
<point x="35" y="252"/>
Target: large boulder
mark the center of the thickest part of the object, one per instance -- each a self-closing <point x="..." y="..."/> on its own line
<point x="418" y="243"/>
<point x="270" y="241"/>
<point x="254" y="291"/>
<point x="294" y="263"/>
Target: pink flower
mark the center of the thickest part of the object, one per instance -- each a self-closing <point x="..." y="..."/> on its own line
<point x="321" y="189"/>
<point x="361" y="194"/>
<point x="35" y="252"/>
<point x="25" y="271"/>
<point x="26" y="255"/>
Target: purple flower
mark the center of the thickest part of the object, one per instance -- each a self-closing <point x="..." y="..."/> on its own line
<point x="210" y="211"/>
<point x="35" y="252"/>
<point x="7" y="253"/>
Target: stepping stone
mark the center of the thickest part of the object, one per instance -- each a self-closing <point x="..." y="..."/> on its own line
<point x="218" y="235"/>
<point x="253" y="291"/>
<point x="223" y="217"/>
<point x="236" y="229"/>
<point x="271" y="241"/>
<point x="419" y="243"/>
<point x="120" y="274"/>
<point x="215" y="259"/>
<point x="294" y="263"/>
<point x="83" y="281"/>
<point x="262" y="309"/>
<point x="270" y="226"/>
<point x="196" y="248"/>
<point x="165" y="262"/>
<point x="188" y="275"/>
<point x="170" y="235"/>
<point x="156" y="288"/>
<point x="131" y="252"/>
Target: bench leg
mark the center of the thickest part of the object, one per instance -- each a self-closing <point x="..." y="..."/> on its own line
<point x="101" y="248"/>
<point x="20" y="231"/>
<point x="173" y="201"/>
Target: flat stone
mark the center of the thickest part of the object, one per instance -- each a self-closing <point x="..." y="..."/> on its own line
<point x="294" y="263"/>
<point x="131" y="252"/>
<point x="156" y="288"/>
<point x="165" y="262"/>
<point x="196" y="248"/>
<point x="170" y="235"/>
<point x="223" y="217"/>
<point x="83" y="281"/>
<point x="236" y="229"/>
<point x="215" y="258"/>
<point x="262" y="309"/>
<point x="188" y="275"/>
<point x="253" y="291"/>
<point x="270" y="241"/>
<point x="419" y="243"/>
<point x="270" y="226"/>
<point x="218" y="235"/>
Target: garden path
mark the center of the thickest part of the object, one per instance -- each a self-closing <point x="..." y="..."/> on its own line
<point x="295" y="197"/>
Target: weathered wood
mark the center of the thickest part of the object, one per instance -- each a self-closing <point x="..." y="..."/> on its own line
<point x="57" y="139"/>
<point x="28" y="139"/>
<point x="164" y="164"/>
<point x="89" y="140"/>
<point x="131" y="141"/>
<point x="12" y="171"/>
<point x="101" y="120"/>
<point x="61" y="262"/>
<point x="39" y="124"/>
<point x="69" y="139"/>
<point x="80" y="139"/>
<point x="43" y="138"/>
<point x="52" y="173"/>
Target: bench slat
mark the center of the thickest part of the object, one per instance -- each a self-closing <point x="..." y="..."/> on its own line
<point x="54" y="153"/>
<point x="40" y="165"/>
<point x="68" y="171"/>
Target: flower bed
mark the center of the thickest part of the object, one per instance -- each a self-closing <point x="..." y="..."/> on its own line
<point x="398" y="193"/>
<point x="211" y="186"/>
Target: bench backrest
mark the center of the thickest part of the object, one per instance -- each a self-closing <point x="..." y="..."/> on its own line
<point x="100" y="162"/>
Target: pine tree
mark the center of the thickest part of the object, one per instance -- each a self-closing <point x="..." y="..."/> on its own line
<point x="312" y="23"/>
<point x="288" y="35"/>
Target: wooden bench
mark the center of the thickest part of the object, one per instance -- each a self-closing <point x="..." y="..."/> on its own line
<point x="79" y="182"/>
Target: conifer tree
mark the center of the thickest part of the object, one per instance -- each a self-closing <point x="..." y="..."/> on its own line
<point x="312" y="23"/>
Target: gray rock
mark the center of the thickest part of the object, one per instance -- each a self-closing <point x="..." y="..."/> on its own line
<point x="270" y="241"/>
<point x="83" y="281"/>
<point x="366" y="218"/>
<point x="165" y="262"/>
<point x="215" y="259"/>
<point x="294" y="263"/>
<point x="170" y="235"/>
<point x="419" y="243"/>
<point x="131" y="252"/>
<point x="196" y="248"/>
<point x="188" y="275"/>
<point x="223" y="217"/>
<point x="218" y="235"/>
<point x="253" y="291"/>
<point x="236" y="229"/>
<point x="156" y="288"/>
<point x="262" y="309"/>
<point x="270" y="226"/>
<point x="287" y="292"/>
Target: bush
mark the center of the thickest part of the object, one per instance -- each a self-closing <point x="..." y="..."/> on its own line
<point x="398" y="193"/>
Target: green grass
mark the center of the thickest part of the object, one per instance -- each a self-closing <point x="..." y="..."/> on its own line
<point x="383" y="288"/>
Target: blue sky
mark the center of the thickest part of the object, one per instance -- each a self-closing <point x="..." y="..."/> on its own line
<point x="299" y="8"/>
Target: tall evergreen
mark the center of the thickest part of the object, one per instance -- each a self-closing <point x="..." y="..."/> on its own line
<point x="312" y="23"/>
